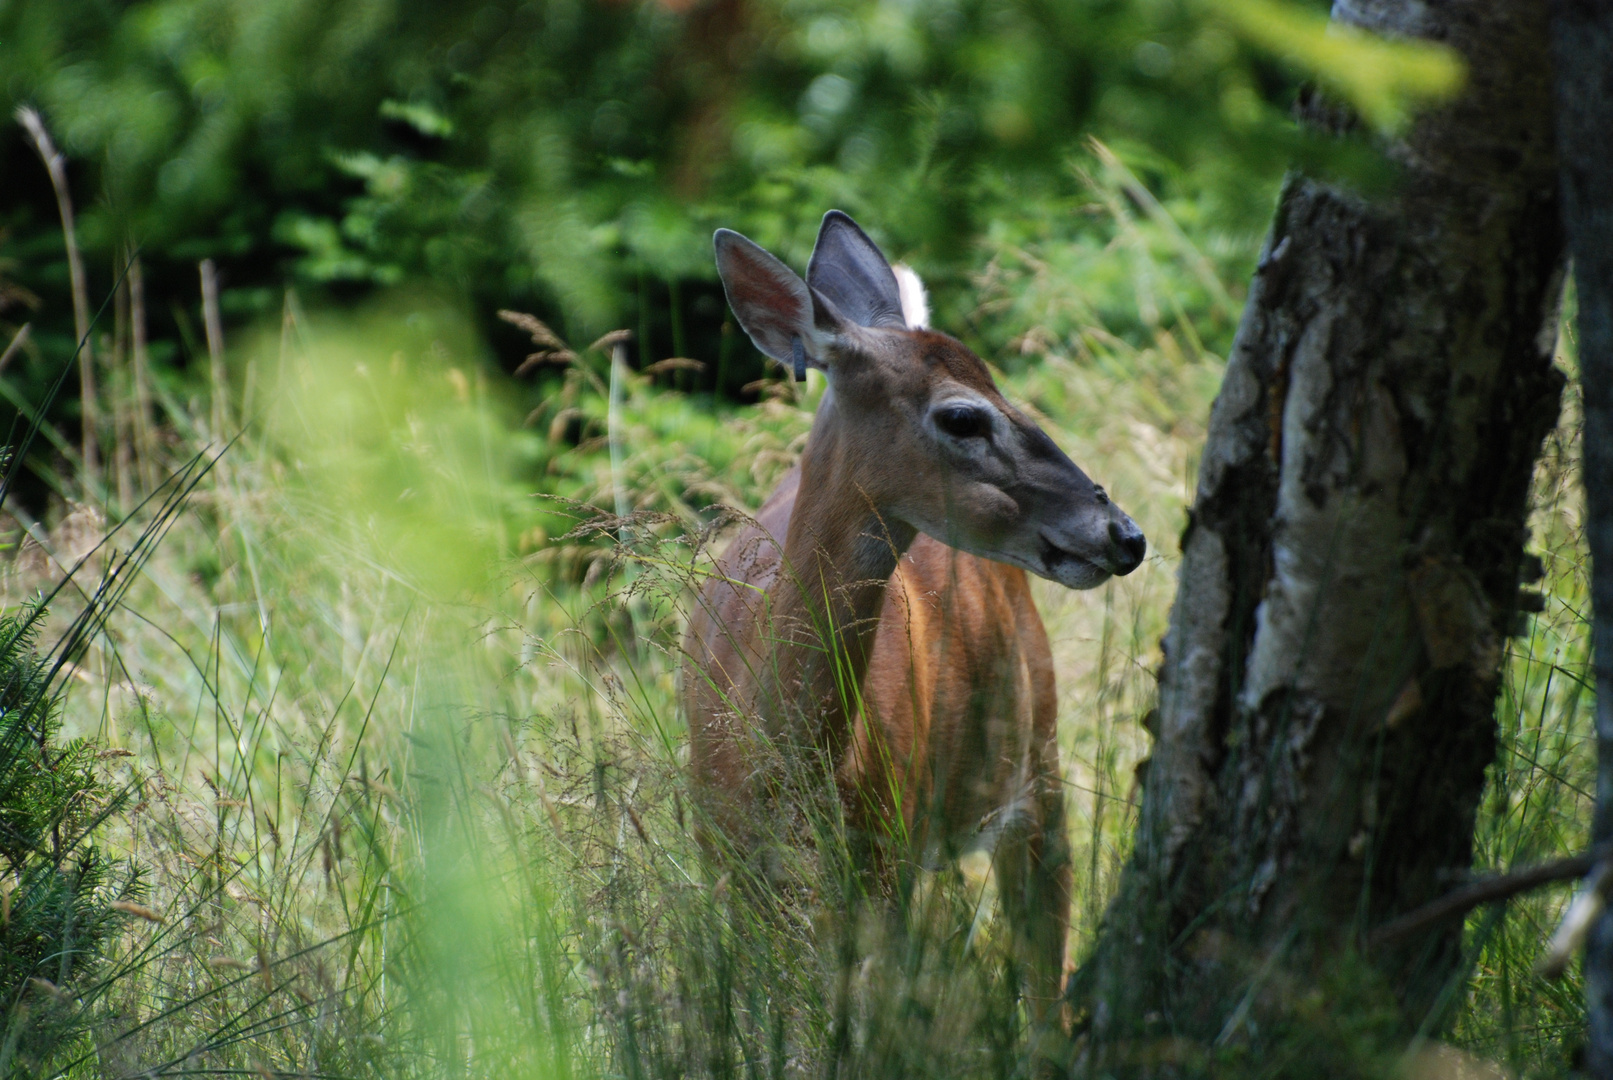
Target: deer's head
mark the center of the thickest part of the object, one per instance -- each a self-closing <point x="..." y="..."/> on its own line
<point x="919" y="428"/>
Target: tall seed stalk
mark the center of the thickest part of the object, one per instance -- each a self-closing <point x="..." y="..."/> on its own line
<point x="623" y="500"/>
<point x="144" y="436"/>
<point x="118" y="376"/>
<point x="56" y="166"/>
<point x="215" y="348"/>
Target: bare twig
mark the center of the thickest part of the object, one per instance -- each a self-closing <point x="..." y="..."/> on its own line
<point x="215" y="348"/>
<point x="1484" y="891"/>
<point x="1587" y="906"/>
<point x="56" y="166"/>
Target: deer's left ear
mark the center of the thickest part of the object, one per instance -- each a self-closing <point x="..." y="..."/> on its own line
<point x="851" y="271"/>
<point x="789" y="321"/>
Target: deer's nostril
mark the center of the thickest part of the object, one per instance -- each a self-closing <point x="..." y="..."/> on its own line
<point x="1129" y="546"/>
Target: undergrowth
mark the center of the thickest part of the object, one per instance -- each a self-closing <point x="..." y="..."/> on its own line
<point x="405" y="780"/>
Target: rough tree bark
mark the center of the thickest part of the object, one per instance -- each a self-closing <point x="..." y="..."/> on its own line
<point x="1582" y="51"/>
<point x="1351" y="568"/>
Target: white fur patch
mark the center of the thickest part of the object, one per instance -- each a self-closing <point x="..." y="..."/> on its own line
<point x="915" y="303"/>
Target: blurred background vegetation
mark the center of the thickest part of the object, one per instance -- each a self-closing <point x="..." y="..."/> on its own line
<point x="570" y="158"/>
<point x="403" y="779"/>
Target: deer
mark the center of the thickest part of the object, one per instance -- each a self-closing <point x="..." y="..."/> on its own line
<point x="877" y="610"/>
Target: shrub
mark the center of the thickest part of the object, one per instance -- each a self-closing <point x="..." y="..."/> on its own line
<point x="61" y="898"/>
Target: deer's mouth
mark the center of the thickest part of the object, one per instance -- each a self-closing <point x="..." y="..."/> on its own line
<point x="1069" y="569"/>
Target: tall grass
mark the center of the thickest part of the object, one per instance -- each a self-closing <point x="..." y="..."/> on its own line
<point x="408" y="765"/>
<point x="1541" y="788"/>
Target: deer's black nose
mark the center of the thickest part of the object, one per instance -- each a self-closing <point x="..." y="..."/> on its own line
<point x="1127" y="545"/>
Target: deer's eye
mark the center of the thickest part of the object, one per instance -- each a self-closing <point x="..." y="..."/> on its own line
<point x="962" y="421"/>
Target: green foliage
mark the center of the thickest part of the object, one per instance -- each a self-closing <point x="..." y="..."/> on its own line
<point x="430" y="815"/>
<point x="554" y="156"/>
<point x="407" y="738"/>
<point x="1384" y="80"/>
<point x="57" y="922"/>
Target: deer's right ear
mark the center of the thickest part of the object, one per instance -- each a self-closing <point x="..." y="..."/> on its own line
<point x="773" y="304"/>
<point x="852" y="272"/>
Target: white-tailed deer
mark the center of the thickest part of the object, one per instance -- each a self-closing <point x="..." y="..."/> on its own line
<point x="879" y="611"/>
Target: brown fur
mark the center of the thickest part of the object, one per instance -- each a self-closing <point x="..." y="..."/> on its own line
<point x="833" y="628"/>
<point x="957" y="725"/>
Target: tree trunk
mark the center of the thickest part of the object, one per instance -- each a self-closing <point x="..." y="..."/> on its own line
<point x="1582" y="51"/>
<point x="1350" y="572"/>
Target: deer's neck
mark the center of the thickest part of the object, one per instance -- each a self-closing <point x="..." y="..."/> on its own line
<point x="839" y="554"/>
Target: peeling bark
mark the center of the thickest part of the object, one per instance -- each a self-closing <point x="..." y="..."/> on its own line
<point x="1351" y="567"/>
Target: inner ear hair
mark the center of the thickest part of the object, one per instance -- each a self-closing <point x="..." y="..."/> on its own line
<point x="772" y="304"/>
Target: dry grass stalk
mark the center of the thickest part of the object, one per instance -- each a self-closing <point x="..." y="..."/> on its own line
<point x="554" y="356"/>
<point x="118" y="374"/>
<point x="215" y="348"/>
<point x="611" y="340"/>
<point x="541" y="334"/>
<point x="144" y="443"/>
<point x="139" y="911"/>
<point x="674" y="363"/>
<point x="56" y="166"/>
<point x="288" y="326"/>
<point x="18" y="340"/>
